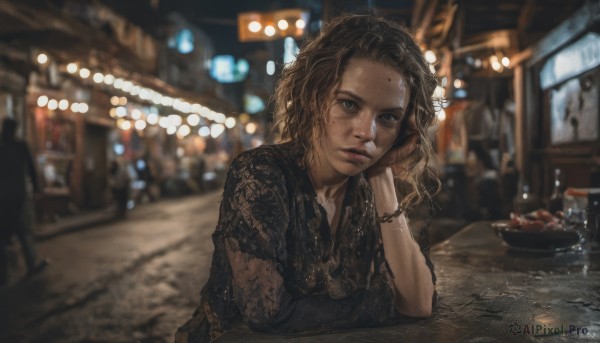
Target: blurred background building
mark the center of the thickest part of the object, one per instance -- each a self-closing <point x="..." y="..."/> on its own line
<point x="175" y="89"/>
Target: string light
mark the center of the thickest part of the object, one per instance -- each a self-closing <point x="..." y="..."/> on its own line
<point x="152" y="118"/>
<point x="183" y="131"/>
<point x="84" y="73"/>
<point x="283" y="24"/>
<point x="216" y="130"/>
<point x="300" y="24"/>
<point x="42" y="58"/>
<point x="269" y="30"/>
<point x="42" y="101"/>
<point x="83" y="107"/>
<point x="63" y="104"/>
<point x="194" y="110"/>
<point x="140" y="125"/>
<point x="254" y="26"/>
<point x="125" y="125"/>
<point x="72" y="68"/>
<point x="230" y="122"/>
<point x="193" y="119"/>
<point x="52" y="104"/>
<point x="121" y="112"/>
<point x="204" y="131"/>
<point x="430" y="56"/>
<point x="136" y="114"/>
<point x="109" y="79"/>
<point x="98" y="77"/>
<point x="251" y="128"/>
<point x="441" y="115"/>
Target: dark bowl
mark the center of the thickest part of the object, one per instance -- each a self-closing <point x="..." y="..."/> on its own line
<point x="542" y="241"/>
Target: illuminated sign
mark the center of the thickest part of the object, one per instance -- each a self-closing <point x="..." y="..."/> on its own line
<point x="265" y="26"/>
<point x="225" y="69"/>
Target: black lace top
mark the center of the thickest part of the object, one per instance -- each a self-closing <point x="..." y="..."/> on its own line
<point x="275" y="264"/>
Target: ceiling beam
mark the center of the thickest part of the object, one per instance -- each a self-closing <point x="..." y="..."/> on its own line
<point x="416" y="14"/>
<point x="501" y="39"/>
<point x="526" y="16"/>
<point x="425" y="22"/>
<point x="459" y="31"/>
<point x="447" y="24"/>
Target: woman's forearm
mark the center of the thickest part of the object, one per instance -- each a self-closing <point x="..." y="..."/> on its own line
<point x="412" y="277"/>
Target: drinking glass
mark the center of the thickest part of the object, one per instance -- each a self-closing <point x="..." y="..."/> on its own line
<point x="577" y="219"/>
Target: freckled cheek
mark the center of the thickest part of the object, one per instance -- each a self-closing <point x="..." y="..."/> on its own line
<point x="334" y="128"/>
<point x="384" y="142"/>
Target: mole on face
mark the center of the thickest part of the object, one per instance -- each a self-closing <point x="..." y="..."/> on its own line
<point x="389" y="80"/>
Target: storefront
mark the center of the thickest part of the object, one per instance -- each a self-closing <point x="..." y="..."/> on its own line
<point x="12" y="99"/>
<point x="559" y="104"/>
<point x="73" y="140"/>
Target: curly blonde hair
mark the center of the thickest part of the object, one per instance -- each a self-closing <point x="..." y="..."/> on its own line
<point x="305" y="88"/>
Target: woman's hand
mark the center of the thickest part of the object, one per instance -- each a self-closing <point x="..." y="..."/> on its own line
<point x="397" y="153"/>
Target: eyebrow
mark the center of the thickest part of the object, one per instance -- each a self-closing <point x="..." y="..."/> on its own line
<point x="361" y="101"/>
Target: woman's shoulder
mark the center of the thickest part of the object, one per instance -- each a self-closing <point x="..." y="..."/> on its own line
<point x="276" y="156"/>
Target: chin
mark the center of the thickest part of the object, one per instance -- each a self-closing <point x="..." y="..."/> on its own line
<point x="351" y="170"/>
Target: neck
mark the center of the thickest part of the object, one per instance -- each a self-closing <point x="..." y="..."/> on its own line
<point x="330" y="189"/>
<point x="327" y="185"/>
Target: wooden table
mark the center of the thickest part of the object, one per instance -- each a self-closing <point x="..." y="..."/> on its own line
<point x="490" y="293"/>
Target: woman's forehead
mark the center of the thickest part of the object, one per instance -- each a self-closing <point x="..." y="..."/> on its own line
<point x="373" y="81"/>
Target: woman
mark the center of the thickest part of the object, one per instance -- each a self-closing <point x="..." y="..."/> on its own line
<point x="311" y="233"/>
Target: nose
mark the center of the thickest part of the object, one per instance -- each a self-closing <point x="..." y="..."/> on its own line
<point x="364" y="127"/>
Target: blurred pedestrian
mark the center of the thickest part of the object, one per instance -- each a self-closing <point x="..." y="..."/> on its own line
<point x="146" y="175"/>
<point x="487" y="184"/>
<point x="119" y="181"/>
<point x="198" y="173"/>
<point x="16" y="165"/>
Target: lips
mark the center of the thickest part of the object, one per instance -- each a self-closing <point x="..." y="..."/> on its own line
<point x="357" y="153"/>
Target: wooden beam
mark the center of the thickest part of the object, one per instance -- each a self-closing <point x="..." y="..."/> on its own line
<point x="447" y="25"/>
<point x="520" y="157"/>
<point x="501" y="39"/>
<point x="525" y="17"/>
<point x="426" y="22"/>
<point x="416" y="14"/>
<point x="458" y="33"/>
<point x="520" y="57"/>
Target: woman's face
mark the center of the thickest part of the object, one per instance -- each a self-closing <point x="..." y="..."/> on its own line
<point x="364" y="118"/>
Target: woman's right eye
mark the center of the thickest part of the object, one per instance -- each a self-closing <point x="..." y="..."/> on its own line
<point x="348" y="105"/>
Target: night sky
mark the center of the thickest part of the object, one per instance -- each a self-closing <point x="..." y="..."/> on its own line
<point x="218" y="19"/>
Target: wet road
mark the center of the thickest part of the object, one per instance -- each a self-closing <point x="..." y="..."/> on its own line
<point x="131" y="281"/>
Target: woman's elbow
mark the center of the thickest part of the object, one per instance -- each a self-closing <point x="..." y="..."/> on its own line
<point x="262" y="319"/>
<point x="421" y="308"/>
<point x="260" y="323"/>
<point x="422" y="312"/>
<point x="417" y="311"/>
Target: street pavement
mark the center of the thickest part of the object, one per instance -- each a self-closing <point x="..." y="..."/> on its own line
<point x="134" y="280"/>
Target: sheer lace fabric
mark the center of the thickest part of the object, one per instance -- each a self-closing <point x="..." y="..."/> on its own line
<point x="275" y="264"/>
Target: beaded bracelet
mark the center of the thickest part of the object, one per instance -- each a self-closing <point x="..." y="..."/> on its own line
<point x="388" y="218"/>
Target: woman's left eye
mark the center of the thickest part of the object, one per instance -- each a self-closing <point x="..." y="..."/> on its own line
<point x="389" y="118"/>
<point x="348" y="105"/>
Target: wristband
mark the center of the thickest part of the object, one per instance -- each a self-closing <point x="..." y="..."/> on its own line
<point x="388" y="218"/>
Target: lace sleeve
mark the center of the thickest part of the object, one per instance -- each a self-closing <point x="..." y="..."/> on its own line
<point x="255" y="207"/>
<point x="255" y="241"/>
<point x="265" y="304"/>
<point x="256" y="197"/>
